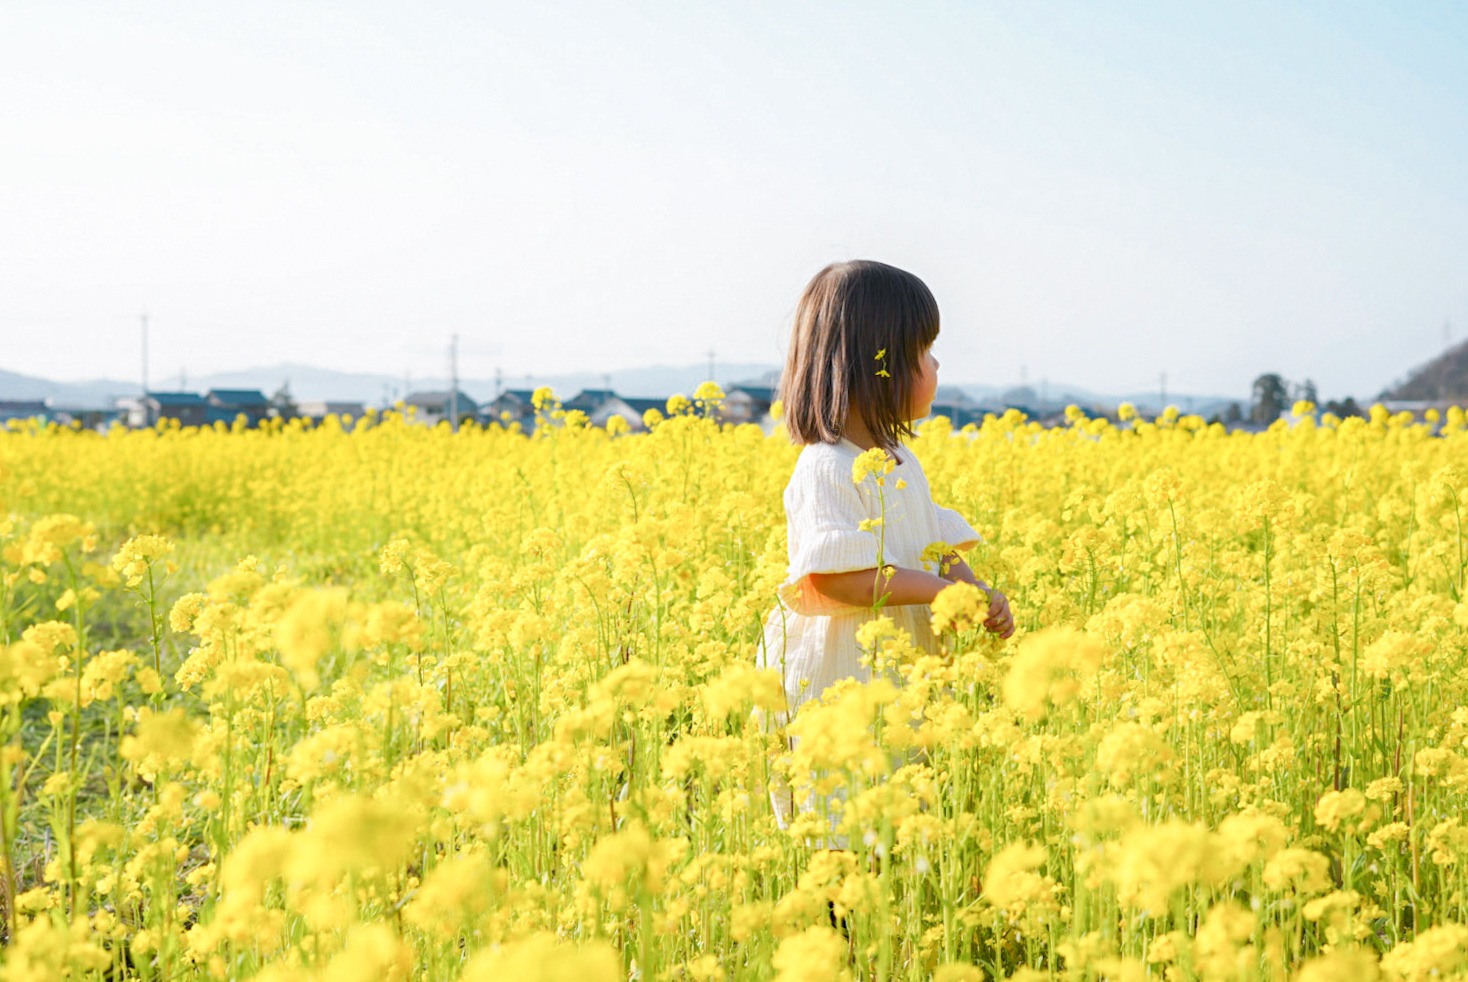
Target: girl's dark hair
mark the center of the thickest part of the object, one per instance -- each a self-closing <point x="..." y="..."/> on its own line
<point x="849" y="314"/>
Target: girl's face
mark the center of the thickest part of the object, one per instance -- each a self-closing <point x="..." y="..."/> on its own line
<point x="925" y="386"/>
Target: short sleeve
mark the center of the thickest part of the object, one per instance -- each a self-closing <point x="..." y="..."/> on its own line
<point x="955" y="529"/>
<point x="824" y="511"/>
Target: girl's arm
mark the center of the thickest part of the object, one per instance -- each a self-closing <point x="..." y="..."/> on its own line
<point x="859" y="588"/>
<point x="904" y="586"/>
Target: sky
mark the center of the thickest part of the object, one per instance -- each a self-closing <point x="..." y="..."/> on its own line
<point x="1099" y="195"/>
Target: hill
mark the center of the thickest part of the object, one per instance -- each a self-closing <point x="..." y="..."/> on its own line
<point x="1443" y="379"/>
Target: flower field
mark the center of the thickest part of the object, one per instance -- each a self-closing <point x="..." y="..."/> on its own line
<point x="382" y="702"/>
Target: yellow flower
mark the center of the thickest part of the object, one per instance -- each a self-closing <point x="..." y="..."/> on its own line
<point x="137" y="555"/>
<point x="815" y="953"/>
<point x="1435" y="953"/>
<point x="1132" y="752"/>
<point x="160" y="738"/>
<point x="959" y="607"/>
<point x="1050" y="667"/>
<point x="875" y="462"/>
<point x="1011" y="882"/>
<point x="1301" y="871"/>
<point x="631" y="853"/>
<point x="1153" y="861"/>
<point x="1338" y="808"/>
<point x="541" y="957"/>
<point x="1341" y="965"/>
<point x="372" y="953"/>
<point x="1220" y="949"/>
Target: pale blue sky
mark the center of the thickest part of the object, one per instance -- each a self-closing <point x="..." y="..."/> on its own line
<point x="1097" y="193"/>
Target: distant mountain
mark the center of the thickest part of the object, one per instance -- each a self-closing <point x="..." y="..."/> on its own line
<point x="1443" y="379"/>
<point x="96" y="394"/>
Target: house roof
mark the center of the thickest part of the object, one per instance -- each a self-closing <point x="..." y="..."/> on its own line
<point x="643" y="405"/>
<point x="22" y="406"/>
<point x="591" y="398"/>
<point x="439" y="399"/>
<point x="177" y="398"/>
<point x="238" y="397"/>
<point x="760" y="393"/>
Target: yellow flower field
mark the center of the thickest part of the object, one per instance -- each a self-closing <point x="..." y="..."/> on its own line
<point x="382" y="702"/>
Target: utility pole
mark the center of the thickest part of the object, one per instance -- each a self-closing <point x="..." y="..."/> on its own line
<point x="711" y="364"/>
<point x="143" y="402"/>
<point x="454" y="383"/>
<point x="1162" y="392"/>
<point x="499" y="383"/>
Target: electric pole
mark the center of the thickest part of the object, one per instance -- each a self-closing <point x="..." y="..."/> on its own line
<point x="143" y="402"/>
<point x="711" y="364"/>
<point x="454" y="383"/>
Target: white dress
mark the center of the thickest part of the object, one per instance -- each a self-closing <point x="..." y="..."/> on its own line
<point x="811" y="639"/>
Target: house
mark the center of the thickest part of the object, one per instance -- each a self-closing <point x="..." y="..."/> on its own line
<point x="432" y="408"/>
<point x="600" y="405"/>
<point x="639" y="408"/>
<point x="23" y="409"/>
<point x="960" y="414"/>
<point x="511" y="406"/>
<point x="747" y="403"/>
<point x="188" y="408"/>
<point x="89" y="417"/>
<point x="617" y="406"/>
<point x="225" y="405"/>
<point x="318" y="409"/>
<point x="589" y="400"/>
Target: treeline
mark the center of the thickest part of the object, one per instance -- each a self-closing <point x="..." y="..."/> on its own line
<point x="1273" y="394"/>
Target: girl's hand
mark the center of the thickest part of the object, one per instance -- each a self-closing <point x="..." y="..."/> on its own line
<point x="1001" y="621"/>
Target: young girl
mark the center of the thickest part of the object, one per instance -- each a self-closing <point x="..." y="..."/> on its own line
<point x="859" y="372"/>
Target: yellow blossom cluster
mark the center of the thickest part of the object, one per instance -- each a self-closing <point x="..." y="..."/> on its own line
<point x="367" y="699"/>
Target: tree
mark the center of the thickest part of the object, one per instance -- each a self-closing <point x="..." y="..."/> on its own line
<point x="1306" y="390"/>
<point x="1233" y="415"/>
<point x="1271" y="393"/>
<point x="1344" y="408"/>
<point x="282" y="405"/>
